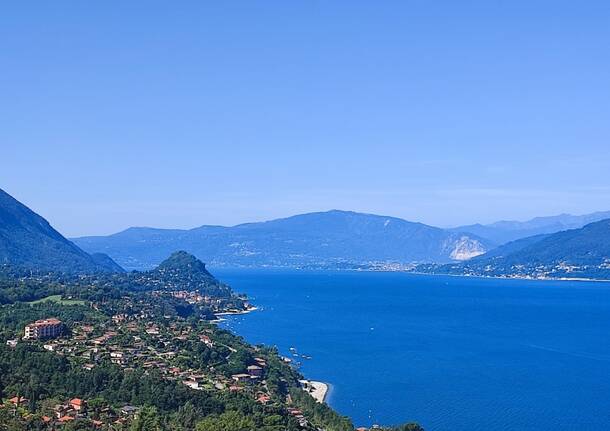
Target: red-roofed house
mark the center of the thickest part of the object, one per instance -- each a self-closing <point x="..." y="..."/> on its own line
<point x="77" y="404"/>
<point x="206" y="340"/>
<point x="19" y="400"/>
<point x="65" y="419"/>
<point x="263" y="399"/>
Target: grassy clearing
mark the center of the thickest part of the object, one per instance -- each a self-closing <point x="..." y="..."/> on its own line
<point x="59" y="300"/>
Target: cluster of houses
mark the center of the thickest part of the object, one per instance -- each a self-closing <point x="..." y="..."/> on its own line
<point x="100" y="417"/>
<point x="193" y="297"/>
<point x="132" y="342"/>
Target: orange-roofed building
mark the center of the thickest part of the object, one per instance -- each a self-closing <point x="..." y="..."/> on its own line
<point x="65" y="419"/>
<point x="263" y="399"/>
<point x="77" y="403"/>
<point x="19" y="400"/>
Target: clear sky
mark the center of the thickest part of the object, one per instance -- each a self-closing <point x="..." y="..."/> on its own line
<point x="176" y="114"/>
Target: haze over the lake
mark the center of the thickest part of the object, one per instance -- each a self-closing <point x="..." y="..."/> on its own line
<point x="177" y="115"/>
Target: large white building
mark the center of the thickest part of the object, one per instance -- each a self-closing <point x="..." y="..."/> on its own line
<point x="47" y="328"/>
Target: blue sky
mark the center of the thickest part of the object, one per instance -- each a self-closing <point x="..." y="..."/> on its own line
<point x="177" y="114"/>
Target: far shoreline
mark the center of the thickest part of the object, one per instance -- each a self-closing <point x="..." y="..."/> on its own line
<point x="404" y="271"/>
<point x="499" y="277"/>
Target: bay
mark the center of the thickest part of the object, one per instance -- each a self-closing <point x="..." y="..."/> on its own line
<point x="452" y="353"/>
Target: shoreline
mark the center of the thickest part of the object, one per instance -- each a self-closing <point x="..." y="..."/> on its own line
<point x="499" y="277"/>
<point x="236" y="312"/>
<point x="231" y="313"/>
<point x="407" y="271"/>
<point x="318" y="390"/>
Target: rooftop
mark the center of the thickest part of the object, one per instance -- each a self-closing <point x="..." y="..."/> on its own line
<point x="51" y="321"/>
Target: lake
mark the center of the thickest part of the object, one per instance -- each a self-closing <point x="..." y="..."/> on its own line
<point x="452" y="353"/>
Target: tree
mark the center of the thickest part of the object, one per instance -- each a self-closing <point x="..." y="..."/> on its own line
<point x="187" y="416"/>
<point x="146" y="420"/>
<point x="229" y="421"/>
<point x="407" y="427"/>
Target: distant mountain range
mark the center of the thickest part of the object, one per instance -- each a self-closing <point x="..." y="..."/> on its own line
<point x="559" y="246"/>
<point x="28" y="241"/>
<point x="333" y="239"/>
<point x="505" y="231"/>
<point x="574" y="253"/>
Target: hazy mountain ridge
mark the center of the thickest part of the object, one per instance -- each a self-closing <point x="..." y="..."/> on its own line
<point x="27" y="240"/>
<point x="324" y="239"/>
<point x="505" y="231"/>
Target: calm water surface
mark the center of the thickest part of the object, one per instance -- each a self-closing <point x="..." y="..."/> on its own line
<point x="451" y="353"/>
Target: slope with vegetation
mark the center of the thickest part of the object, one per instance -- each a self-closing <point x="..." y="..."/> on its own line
<point x="140" y="352"/>
<point x="27" y="240"/>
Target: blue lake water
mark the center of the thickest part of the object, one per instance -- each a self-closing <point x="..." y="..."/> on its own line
<point x="450" y="353"/>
